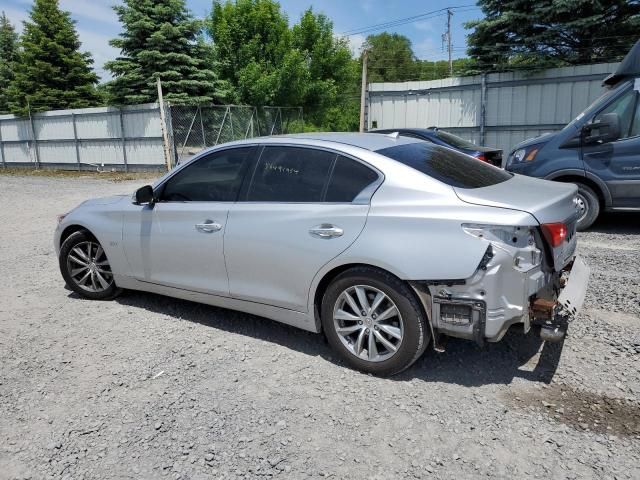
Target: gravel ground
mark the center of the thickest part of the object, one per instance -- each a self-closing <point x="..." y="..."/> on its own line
<point x="149" y="387"/>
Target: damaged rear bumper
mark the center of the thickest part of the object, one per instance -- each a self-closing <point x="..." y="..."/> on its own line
<point x="483" y="307"/>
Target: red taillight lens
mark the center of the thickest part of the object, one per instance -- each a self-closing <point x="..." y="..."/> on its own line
<point x="480" y="156"/>
<point x="555" y="233"/>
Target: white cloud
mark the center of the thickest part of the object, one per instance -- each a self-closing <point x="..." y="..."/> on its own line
<point x="16" y="16"/>
<point x="355" y="42"/>
<point x="93" y="10"/>
<point x="423" y="26"/>
<point x="98" y="45"/>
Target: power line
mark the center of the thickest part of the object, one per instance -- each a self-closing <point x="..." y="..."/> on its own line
<point x="405" y="20"/>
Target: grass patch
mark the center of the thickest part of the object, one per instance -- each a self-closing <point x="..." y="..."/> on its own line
<point x="113" y="176"/>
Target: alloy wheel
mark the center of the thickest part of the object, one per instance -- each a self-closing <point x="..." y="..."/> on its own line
<point x="368" y="323"/>
<point x="89" y="268"/>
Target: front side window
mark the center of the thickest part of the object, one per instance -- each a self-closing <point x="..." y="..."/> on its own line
<point x="214" y="178"/>
<point x="290" y="174"/>
<point x="626" y="108"/>
<point x="447" y="165"/>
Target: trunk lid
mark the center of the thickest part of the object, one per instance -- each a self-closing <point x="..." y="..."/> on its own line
<point x="546" y="201"/>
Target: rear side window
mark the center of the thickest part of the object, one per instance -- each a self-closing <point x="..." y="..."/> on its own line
<point x="290" y="174"/>
<point x="348" y="179"/>
<point x="446" y="165"/>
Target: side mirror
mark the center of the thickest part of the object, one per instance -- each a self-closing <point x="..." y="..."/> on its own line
<point x="607" y="129"/>
<point x="144" y="196"/>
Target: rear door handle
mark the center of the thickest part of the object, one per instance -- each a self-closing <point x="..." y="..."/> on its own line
<point x="326" y="231"/>
<point x="209" y="226"/>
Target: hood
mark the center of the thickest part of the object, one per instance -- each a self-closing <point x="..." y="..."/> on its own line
<point x="542" y="139"/>
<point x="103" y="200"/>
<point x="628" y="67"/>
<point x="548" y="202"/>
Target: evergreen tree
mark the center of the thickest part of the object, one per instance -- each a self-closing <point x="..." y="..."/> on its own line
<point x="546" y="33"/>
<point x="161" y="39"/>
<point x="8" y="59"/>
<point x="52" y="72"/>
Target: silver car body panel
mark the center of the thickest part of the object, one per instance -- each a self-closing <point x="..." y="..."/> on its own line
<point x="264" y="260"/>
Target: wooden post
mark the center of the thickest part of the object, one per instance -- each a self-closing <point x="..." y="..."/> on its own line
<point x="124" y="142"/>
<point x="163" y="126"/>
<point x="34" y="140"/>
<point x="4" y="163"/>
<point x="363" y="92"/>
<point x="75" y="139"/>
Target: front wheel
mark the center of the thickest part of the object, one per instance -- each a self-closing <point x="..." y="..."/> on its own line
<point x="589" y="206"/>
<point x="373" y="321"/>
<point x="85" y="267"/>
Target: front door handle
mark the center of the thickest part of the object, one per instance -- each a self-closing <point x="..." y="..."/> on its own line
<point x="209" y="226"/>
<point x="326" y="231"/>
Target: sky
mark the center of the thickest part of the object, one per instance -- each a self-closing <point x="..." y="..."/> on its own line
<point x="97" y="23"/>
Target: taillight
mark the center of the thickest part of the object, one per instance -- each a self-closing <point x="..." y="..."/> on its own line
<point x="481" y="156"/>
<point x="555" y="233"/>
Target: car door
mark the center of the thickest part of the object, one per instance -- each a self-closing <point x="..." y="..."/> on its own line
<point x="302" y="208"/>
<point x="178" y="241"/>
<point x="617" y="163"/>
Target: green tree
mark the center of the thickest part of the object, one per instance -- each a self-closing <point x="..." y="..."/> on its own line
<point x="391" y="58"/>
<point x="161" y="39"/>
<point x="332" y="73"/>
<point x="252" y="41"/>
<point x="52" y="72"/>
<point x="8" y="59"/>
<point x="546" y="33"/>
<point x="435" y="70"/>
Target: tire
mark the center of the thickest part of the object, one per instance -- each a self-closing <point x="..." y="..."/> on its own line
<point x="591" y="205"/>
<point x="410" y="323"/>
<point x="85" y="267"/>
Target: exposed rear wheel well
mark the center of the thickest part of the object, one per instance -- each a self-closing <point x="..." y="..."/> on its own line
<point x="586" y="181"/>
<point x="331" y="275"/>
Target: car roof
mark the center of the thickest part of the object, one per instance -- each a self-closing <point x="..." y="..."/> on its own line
<point x="367" y="141"/>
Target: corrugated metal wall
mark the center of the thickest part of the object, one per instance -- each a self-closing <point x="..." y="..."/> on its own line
<point x="125" y="138"/>
<point x="517" y="106"/>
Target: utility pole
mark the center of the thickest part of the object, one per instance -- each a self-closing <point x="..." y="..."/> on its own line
<point x="363" y="92"/>
<point x="163" y="125"/>
<point x="449" y="15"/>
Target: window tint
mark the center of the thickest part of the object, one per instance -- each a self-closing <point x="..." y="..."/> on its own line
<point x="214" y="178"/>
<point x="348" y="179"/>
<point x="446" y="165"/>
<point x="625" y="107"/>
<point x="290" y="174"/>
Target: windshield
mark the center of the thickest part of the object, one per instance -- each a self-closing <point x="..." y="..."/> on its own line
<point x="604" y="98"/>
<point x="446" y="165"/>
<point x="454" y="140"/>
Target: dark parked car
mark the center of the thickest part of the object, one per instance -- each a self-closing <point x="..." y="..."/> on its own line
<point x="446" y="139"/>
<point x="599" y="151"/>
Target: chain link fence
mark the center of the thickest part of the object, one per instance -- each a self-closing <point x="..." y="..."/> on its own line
<point x="194" y="127"/>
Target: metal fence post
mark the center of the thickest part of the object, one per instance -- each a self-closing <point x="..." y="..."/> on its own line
<point x="75" y="139"/>
<point x="483" y="106"/>
<point x="204" y="139"/>
<point x="4" y="163"/>
<point x="123" y="139"/>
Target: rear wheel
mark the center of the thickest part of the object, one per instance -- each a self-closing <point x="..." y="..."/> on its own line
<point x="589" y="206"/>
<point x="373" y="321"/>
<point x="85" y="267"/>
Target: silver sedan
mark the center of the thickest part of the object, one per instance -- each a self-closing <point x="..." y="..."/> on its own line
<point x="383" y="243"/>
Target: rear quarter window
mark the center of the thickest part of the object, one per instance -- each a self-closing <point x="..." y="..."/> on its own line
<point x="446" y="165"/>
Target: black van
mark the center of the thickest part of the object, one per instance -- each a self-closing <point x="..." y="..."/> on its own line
<point x="599" y="151"/>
